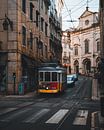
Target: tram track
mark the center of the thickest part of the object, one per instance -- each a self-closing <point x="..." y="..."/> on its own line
<point x="76" y="99"/>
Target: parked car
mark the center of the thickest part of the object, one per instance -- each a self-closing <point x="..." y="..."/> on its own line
<point x="70" y="81"/>
<point x="75" y="76"/>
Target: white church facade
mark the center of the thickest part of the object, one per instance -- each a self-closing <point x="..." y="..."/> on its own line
<point x="85" y="41"/>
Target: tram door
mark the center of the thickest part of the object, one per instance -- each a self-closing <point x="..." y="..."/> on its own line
<point x="60" y="80"/>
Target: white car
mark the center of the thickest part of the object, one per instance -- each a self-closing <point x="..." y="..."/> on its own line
<point x="70" y="81"/>
<point x="75" y="77"/>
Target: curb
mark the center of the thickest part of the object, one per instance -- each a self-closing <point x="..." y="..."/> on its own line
<point x="101" y="121"/>
<point x="95" y="90"/>
<point x="28" y="95"/>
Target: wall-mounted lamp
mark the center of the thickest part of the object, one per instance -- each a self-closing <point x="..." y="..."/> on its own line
<point x="6" y="23"/>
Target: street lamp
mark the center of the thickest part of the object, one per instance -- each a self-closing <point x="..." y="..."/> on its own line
<point x="14" y="80"/>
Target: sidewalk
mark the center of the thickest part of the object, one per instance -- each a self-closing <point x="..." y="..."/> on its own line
<point x="95" y="90"/>
<point x="96" y="96"/>
<point x="22" y="96"/>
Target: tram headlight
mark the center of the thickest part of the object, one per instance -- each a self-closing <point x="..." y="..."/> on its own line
<point x="47" y="88"/>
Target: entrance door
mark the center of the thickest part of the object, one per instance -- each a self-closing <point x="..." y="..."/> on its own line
<point x="3" y="78"/>
<point x="76" y="67"/>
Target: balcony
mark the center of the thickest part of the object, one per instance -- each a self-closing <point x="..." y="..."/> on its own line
<point x="65" y="58"/>
<point x="51" y="17"/>
<point x="51" y="37"/>
<point x="47" y="2"/>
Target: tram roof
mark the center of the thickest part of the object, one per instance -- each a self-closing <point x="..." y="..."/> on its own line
<point x="52" y="69"/>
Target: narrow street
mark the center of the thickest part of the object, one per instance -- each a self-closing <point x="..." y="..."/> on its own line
<point x="73" y="110"/>
<point x="51" y="65"/>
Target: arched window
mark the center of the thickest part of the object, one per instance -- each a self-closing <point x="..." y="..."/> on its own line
<point x="86" y="46"/>
<point x="76" y="66"/>
<point x="76" y="50"/>
<point x="98" y="46"/>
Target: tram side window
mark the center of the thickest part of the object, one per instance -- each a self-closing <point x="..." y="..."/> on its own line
<point x="54" y="76"/>
<point x="47" y="76"/>
<point x="41" y="76"/>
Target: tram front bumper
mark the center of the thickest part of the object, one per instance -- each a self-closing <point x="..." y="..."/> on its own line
<point x="47" y="91"/>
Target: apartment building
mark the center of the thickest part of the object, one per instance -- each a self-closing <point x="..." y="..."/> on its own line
<point x="24" y="43"/>
<point x="55" y="46"/>
<point x="101" y="86"/>
<point x="101" y="4"/>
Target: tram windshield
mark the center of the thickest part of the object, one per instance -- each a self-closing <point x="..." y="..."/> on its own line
<point x="48" y="76"/>
<point x="54" y="76"/>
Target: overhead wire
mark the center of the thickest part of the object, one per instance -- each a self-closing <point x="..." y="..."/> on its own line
<point x="75" y="9"/>
<point x="69" y="13"/>
<point x="76" y="5"/>
<point x="81" y="6"/>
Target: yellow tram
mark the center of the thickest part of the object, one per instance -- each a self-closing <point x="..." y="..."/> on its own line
<point x="52" y="79"/>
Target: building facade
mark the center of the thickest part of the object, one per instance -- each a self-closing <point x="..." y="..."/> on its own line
<point x="85" y="41"/>
<point x="101" y="9"/>
<point x="101" y="85"/>
<point x="55" y="27"/>
<point x="24" y="42"/>
<point x="66" y="52"/>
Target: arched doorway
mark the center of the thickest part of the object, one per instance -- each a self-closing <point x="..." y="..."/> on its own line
<point x="76" y="66"/>
<point x="97" y="61"/>
<point x="86" y="66"/>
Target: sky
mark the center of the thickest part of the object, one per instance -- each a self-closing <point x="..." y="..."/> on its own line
<point x="73" y="9"/>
